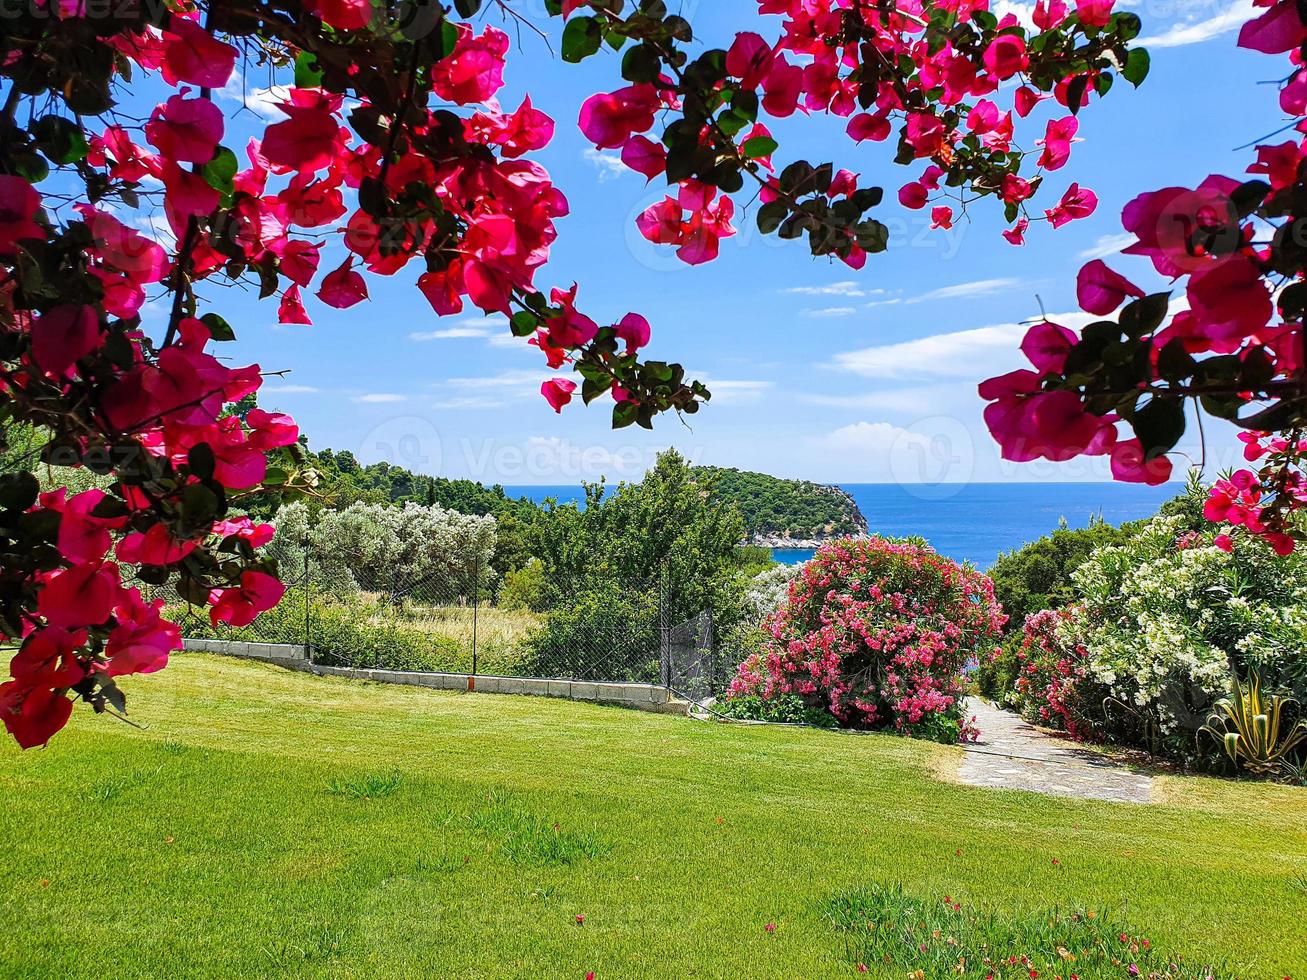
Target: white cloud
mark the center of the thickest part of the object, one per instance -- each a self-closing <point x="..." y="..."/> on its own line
<point x="472" y="327"/>
<point x="523" y="380"/>
<point x="830" y="312"/>
<point x="847" y="288"/>
<point x="261" y="101"/>
<point x="289" y="390"/>
<point x="967" y="290"/>
<point x="961" y="354"/>
<point x="919" y="399"/>
<point x="1107" y="245"/>
<point x="609" y="165"/>
<point x="471" y="402"/>
<point x="448" y="333"/>
<point x="876" y="439"/>
<point x="1194" y="32"/>
<point x="378" y="398"/>
<point x="734" y="390"/>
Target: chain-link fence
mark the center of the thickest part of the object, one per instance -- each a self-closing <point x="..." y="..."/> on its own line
<point x="454" y="620"/>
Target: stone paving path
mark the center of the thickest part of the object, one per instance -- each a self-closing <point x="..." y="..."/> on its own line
<point x="1014" y="755"/>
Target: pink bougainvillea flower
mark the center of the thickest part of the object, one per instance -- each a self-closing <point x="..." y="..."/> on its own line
<point x="1016" y="235"/>
<point x="185" y="130"/>
<point x="83" y="537"/>
<point x="33" y="714"/>
<point x="1130" y="466"/>
<point x="240" y="606"/>
<point x="644" y="156"/>
<point x="635" y="330"/>
<point x="63" y="336"/>
<point x="609" y="119"/>
<point x="1005" y="56"/>
<point x="1164" y="221"/>
<point x="1077" y="202"/>
<point x="1047" y="344"/>
<point x="292" y="309"/>
<point x="1230" y="301"/>
<point x="1094" y="13"/>
<point x="1057" y="141"/>
<point x="19" y="204"/>
<point x="865" y="126"/>
<point x="1100" y="290"/>
<point x="1049" y="13"/>
<point x="1278" y="30"/>
<point x="79" y="596"/>
<point x="558" y="392"/>
<point x="941" y="217"/>
<point x="914" y="195"/>
<point x="343" y="287"/>
<point x="475" y="71"/>
<point x="308" y="140"/>
<point x="749" y="59"/>
<point x="157" y="546"/>
<point x="345" y="15"/>
<point x="193" y="55"/>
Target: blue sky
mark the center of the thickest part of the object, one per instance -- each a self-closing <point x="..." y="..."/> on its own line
<point x="818" y="371"/>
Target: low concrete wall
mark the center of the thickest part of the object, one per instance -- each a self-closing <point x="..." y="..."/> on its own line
<point x="647" y="697"/>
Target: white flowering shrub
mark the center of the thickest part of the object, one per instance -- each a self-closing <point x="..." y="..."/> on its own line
<point x="386" y="549"/>
<point x="1168" y="618"/>
<point x="768" y="589"/>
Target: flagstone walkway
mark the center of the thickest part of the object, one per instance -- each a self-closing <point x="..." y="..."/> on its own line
<point x="1014" y="755"/>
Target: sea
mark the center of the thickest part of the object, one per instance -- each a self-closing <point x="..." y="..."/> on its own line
<point x="972" y="522"/>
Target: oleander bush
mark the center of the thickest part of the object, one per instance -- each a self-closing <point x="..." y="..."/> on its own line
<point x="1171" y="617"/>
<point x="875" y="633"/>
<point x="1045" y="674"/>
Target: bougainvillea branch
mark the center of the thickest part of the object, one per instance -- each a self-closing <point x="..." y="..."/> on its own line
<point x="1233" y="342"/>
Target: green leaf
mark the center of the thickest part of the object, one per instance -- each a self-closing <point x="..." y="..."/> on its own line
<point x="1075" y="93"/>
<point x="1137" y="65"/>
<point x="641" y="64"/>
<point x="467" y="8"/>
<point x="759" y="146"/>
<point x="201" y="460"/>
<point x="219" y="172"/>
<point x="771" y="215"/>
<point x="308" y="73"/>
<point x="60" y="139"/>
<point x="581" y="38"/>
<point x="524" y="324"/>
<point x="219" y="329"/>
<point x="1159" y="425"/>
<point x="18" y="491"/>
<point x="1143" y="316"/>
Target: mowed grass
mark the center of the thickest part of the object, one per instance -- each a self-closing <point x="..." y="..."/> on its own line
<point x="274" y="823"/>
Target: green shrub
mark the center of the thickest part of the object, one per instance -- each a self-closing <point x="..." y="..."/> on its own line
<point x="603" y="634"/>
<point x="787" y="708"/>
<point x="1038" y="576"/>
<point x="523" y="588"/>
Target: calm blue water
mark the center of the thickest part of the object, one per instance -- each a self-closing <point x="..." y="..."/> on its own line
<point x="969" y="522"/>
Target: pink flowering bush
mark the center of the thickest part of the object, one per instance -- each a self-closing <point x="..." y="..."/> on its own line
<point x="875" y="633"/>
<point x="1053" y="685"/>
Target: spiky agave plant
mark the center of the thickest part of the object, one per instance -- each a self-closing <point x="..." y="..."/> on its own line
<point x="1248" y="726"/>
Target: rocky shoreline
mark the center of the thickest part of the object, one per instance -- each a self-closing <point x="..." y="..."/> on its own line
<point x="781" y="541"/>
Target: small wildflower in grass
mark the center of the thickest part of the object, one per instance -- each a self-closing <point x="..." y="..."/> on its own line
<point x="580" y="919"/>
<point x="770" y="927"/>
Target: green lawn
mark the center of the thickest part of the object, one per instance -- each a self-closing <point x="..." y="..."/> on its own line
<point x="268" y="822"/>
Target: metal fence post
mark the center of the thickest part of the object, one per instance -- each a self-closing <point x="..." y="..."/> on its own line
<point x="476" y="594"/>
